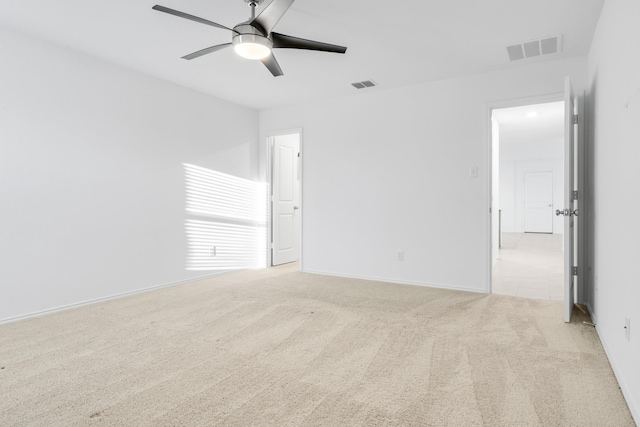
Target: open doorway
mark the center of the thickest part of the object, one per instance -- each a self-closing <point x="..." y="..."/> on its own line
<point x="528" y="186"/>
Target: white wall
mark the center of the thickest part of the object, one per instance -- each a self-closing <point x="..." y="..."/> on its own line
<point x="515" y="161"/>
<point x="614" y="108"/>
<point x="387" y="170"/>
<point x="92" y="186"/>
<point x="508" y="195"/>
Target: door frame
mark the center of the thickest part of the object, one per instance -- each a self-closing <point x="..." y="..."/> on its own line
<point x="581" y="176"/>
<point x="269" y="159"/>
<point x="489" y="107"/>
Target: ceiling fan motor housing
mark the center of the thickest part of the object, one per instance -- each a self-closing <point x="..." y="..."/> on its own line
<point x="246" y="35"/>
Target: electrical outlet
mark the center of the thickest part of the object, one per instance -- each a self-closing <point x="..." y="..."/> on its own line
<point x="212" y="251"/>
<point x="627" y="328"/>
<point x="400" y="255"/>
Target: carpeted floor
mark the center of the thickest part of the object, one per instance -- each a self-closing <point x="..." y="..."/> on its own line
<point x="280" y="347"/>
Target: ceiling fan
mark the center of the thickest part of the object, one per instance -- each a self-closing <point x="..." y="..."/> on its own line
<point x="254" y="39"/>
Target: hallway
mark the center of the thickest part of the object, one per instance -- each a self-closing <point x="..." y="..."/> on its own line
<point x="530" y="265"/>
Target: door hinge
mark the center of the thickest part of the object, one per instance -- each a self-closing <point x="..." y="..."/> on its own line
<point x="575" y="119"/>
<point x="574" y="195"/>
<point x="574" y="271"/>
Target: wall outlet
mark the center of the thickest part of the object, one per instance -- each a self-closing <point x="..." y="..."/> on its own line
<point x="213" y="251"/>
<point x="400" y="255"/>
<point x="627" y="328"/>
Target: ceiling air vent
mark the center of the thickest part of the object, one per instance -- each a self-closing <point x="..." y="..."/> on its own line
<point x="364" y="84"/>
<point x="530" y="49"/>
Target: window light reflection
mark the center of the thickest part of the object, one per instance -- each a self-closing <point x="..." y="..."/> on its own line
<point x="231" y="229"/>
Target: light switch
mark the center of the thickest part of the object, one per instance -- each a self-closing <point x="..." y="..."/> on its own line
<point x="473" y="171"/>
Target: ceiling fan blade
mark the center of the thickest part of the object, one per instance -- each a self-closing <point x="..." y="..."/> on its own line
<point x="273" y="66"/>
<point x="282" y="41"/>
<point x="206" y="50"/>
<point x="190" y="17"/>
<point x="270" y="16"/>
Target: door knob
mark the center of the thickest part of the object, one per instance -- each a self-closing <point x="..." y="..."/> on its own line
<point x="566" y="212"/>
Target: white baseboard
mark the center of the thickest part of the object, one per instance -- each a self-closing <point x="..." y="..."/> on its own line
<point x="107" y="298"/>
<point x="400" y="282"/>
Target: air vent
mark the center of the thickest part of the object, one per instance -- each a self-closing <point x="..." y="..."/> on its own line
<point x="533" y="48"/>
<point x="364" y="84"/>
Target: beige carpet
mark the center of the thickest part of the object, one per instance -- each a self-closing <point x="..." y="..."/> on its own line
<point x="279" y="347"/>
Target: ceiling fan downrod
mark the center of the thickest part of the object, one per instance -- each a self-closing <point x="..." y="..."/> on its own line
<point x="253" y="4"/>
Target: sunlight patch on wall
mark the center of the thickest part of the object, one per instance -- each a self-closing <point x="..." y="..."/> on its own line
<point x="230" y="231"/>
<point x="218" y="246"/>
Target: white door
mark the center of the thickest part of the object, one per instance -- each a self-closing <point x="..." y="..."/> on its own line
<point x="569" y="203"/>
<point x="538" y="202"/>
<point x="286" y="199"/>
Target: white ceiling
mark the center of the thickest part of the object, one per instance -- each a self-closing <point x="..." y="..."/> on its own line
<point x="531" y="123"/>
<point x="393" y="43"/>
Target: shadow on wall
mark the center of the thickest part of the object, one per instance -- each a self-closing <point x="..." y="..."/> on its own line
<point x="228" y="228"/>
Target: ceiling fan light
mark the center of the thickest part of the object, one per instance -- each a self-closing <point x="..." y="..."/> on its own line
<point x="252" y="50"/>
<point x="252" y="46"/>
